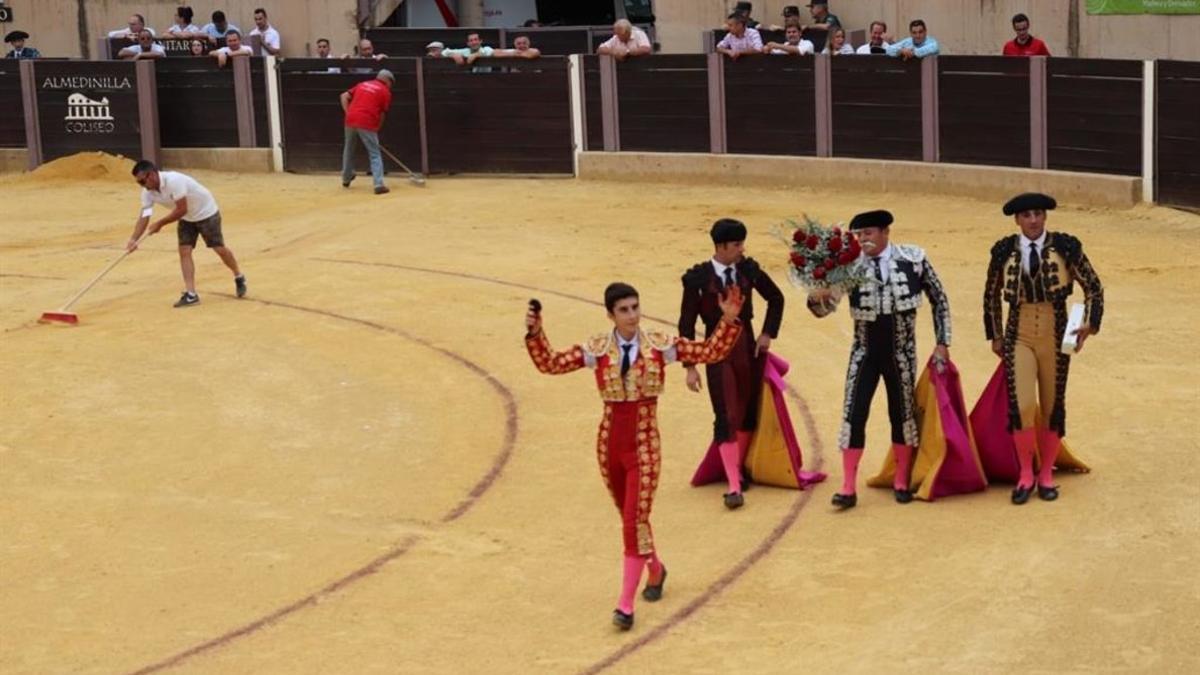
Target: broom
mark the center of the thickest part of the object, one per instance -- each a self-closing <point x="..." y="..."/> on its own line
<point x="414" y="178"/>
<point x="61" y="314"/>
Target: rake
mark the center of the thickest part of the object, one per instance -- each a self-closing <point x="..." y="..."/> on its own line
<point x="62" y="315"/>
<point x="413" y="177"/>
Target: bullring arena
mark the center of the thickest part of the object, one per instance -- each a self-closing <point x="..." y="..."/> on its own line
<point x="357" y="469"/>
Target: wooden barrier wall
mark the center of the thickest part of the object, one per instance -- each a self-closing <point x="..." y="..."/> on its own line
<point x="983" y="110"/>
<point x="197" y="104"/>
<point x="876" y="107"/>
<point x="405" y="42"/>
<point x="1094" y="115"/>
<point x="663" y="103"/>
<point x="12" y="112"/>
<point x="1177" y="179"/>
<point x="761" y="91"/>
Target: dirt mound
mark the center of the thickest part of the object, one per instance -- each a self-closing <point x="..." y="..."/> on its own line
<point x="86" y="166"/>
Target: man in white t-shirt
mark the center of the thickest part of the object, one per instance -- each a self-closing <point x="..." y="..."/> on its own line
<point x="195" y="209"/>
<point x="794" y="45"/>
<point x="879" y="41"/>
<point x="233" y="47"/>
<point x="627" y="40"/>
<point x="263" y="29"/>
<point x="145" y="48"/>
<point x="137" y="23"/>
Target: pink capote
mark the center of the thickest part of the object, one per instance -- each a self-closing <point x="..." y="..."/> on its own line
<point x="946" y="462"/>
<point x="997" y="451"/>
<point x="774" y="388"/>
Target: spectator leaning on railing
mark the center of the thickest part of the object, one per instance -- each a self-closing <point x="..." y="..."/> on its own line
<point x="197" y="46"/>
<point x="837" y="43"/>
<point x="233" y="47"/>
<point x="137" y="23"/>
<point x="475" y="49"/>
<point x="17" y="39"/>
<point x="879" y="41"/>
<point x="145" y="48"/>
<point x="627" y="40"/>
<point x="740" y="39"/>
<point x="1024" y="44"/>
<point x="918" y="45"/>
<point x="434" y="50"/>
<point x="183" y="26"/>
<point x="268" y="35"/>
<point x="522" y="49"/>
<point x="219" y="27"/>
<point x="795" y="45"/>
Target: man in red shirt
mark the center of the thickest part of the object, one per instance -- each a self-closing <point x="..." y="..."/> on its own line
<point x="1024" y="44"/>
<point x="365" y="105"/>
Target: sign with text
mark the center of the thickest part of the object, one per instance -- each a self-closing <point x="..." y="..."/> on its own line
<point x="1143" y="6"/>
<point x="87" y="105"/>
<point x="172" y="46"/>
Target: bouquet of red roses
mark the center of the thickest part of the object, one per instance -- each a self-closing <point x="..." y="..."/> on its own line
<point x="823" y="257"/>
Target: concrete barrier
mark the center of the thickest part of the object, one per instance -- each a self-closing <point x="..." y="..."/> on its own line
<point x="13" y="160"/>
<point x="961" y="180"/>
<point x="242" y="160"/>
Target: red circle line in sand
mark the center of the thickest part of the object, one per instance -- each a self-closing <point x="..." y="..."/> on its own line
<point x="404" y="546"/>
<point x="733" y="574"/>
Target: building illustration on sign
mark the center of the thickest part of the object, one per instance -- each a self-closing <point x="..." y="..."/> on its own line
<point x="80" y="107"/>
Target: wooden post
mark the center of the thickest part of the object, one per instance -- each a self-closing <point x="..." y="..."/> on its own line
<point x="147" y="89"/>
<point x="931" y="148"/>
<point x="1038" y="146"/>
<point x="33" y="131"/>
<point x="421" y="116"/>
<point x="610" y="104"/>
<point x="243" y="94"/>
<point x="1149" y="129"/>
<point x="578" y="112"/>
<point x="716" y="103"/>
<point x="271" y="69"/>
<point x="823" y="99"/>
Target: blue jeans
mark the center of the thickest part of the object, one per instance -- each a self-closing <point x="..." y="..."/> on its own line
<point x="370" y="140"/>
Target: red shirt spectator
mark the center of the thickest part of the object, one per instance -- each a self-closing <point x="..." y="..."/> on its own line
<point x="1034" y="47"/>
<point x="368" y="102"/>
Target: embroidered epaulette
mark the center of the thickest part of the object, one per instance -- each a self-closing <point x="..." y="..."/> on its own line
<point x="597" y="345"/>
<point x="696" y="277"/>
<point x="1004" y="247"/>
<point x="911" y="253"/>
<point x="659" y="340"/>
<point x="1069" y="245"/>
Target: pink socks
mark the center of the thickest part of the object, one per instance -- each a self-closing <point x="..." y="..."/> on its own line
<point x="634" y="564"/>
<point x="903" y="455"/>
<point x="850" y="459"/>
<point x="1026" y="442"/>
<point x="732" y="461"/>
<point x="1049" y="444"/>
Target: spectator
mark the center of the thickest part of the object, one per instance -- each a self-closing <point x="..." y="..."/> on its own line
<point x="879" y="41"/>
<point x="918" y="45"/>
<point x="197" y="47"/>
<point x="324" y="48"/>
<point x="790" y="13"/>
<point x="522" y="49"/>
<point x="627" y="40"/>
<point x="740" y="39"/>
<point x="794" y="45"/>
<point x="1024" y="44"/>
<point x="745" y="8"/>
<point x="365" y="105"/>
<point x="183" y="27"/>
<point x="145" y="48"/>
<point x="137" y="23"/>
<point x="219" y="27"/>
<point x="434" y="50"/>
<point x="366" y="50"/>
<point x="475" y="49"/>
<point x="837" y="43"/>
<point x="233" y="47"/>
<point x="268" y="35"/>
<point x="822" y="19"/>
<point x="17" y="39"/>
<point x="531" y="23"/>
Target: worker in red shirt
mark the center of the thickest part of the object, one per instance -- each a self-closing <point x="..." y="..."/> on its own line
<point x="1024" y="44"/>
<point x="365" y="105"/>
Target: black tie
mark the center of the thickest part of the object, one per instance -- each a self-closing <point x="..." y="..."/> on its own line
<point x="625" y="359"/>
<point x="878" y="269"/>
<point x="728" y="277"/>
<point x="1035" y="261"/>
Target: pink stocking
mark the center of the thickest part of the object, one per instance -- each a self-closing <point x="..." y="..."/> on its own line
<point x="904" y="455"/>
<point x="634" y="564"/>
<point x="1049" y="443"/>
<point x="733" y="466"/>
<point x="1026" y="442"/>
<point x="850" y="459"/>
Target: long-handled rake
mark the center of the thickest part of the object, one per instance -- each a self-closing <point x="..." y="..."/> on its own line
<point x="61" y="314"/>
<point x="413" y="177"/>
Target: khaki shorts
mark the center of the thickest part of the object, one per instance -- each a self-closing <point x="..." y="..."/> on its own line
<point x="209" y="229"/>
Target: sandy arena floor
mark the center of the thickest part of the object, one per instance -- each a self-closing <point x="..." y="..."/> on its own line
<point x="357" y="469"/>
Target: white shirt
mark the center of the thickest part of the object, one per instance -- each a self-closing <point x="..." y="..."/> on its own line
<point x="806" y="47"/>
<point x="670" y="354"/>
<point x="155" y="48"/>
<point x="270" y="36"/>
<point x="885" y="263"/>
<point x="1026" y="243"/>
<point x="866" y="49"/>
<point x="229" y="52"/>
<point x="721" y="271"/>
<point x="637" y="38"/>
<point x="126" y="33"/>
<point x="176" y="29"/>
<point x="174" y="186"/>
<point x="846" y="49"/>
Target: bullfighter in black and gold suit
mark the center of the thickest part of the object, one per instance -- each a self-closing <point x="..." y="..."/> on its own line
<point x="1033" y="273"/>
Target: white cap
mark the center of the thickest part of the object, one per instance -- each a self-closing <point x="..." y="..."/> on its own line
<point x="435" y="44"/>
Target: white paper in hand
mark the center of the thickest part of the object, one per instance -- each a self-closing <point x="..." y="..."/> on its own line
<point x="1074" y="322"/>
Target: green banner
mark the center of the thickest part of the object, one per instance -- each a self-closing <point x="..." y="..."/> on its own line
<point x="1143" y="6"/>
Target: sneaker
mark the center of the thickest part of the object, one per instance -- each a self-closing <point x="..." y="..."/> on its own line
<point x="187" y="300"/>
<point x="382" y="190"/>
<point x="240" y="282"/>
<point x="346" y="183"/>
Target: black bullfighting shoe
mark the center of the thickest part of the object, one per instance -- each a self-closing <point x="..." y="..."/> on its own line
<point x="622" y="620"/>
<point x="1020" y="495"/>
<point x="653" y="592"/>
<point x="734" y="500"/>
<point x="1048" y="493"/>
<point x="902" y="496"/>
<point x="845" y="501"/>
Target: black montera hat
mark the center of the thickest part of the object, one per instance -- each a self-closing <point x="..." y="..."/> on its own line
<point x="16" y="35"/>
<point x="878" y="218"/>
<point x="726" y="230"/>
<point x="1029" y="201"/>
